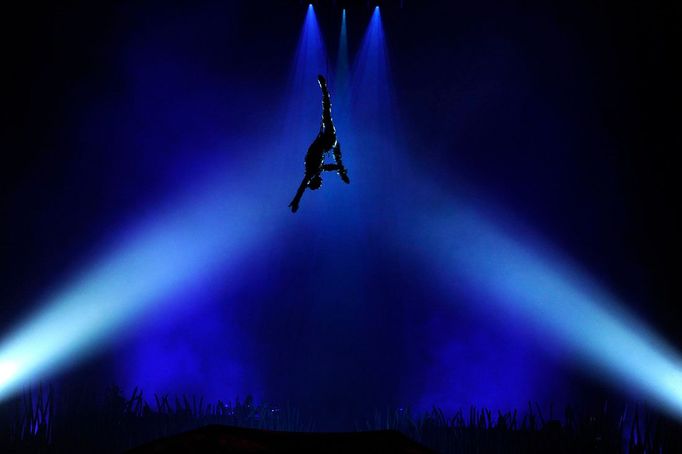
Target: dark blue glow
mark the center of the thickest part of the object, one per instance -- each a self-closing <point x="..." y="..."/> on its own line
<point x="224" y="292"/>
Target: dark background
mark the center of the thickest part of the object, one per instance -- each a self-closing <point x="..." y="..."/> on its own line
<point x="564" y="112"/>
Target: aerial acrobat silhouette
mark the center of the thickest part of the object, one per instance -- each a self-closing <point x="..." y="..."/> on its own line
<point x="324" y="142"/>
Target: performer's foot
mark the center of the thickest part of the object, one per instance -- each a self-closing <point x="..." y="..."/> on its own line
<point x="344" y="176"/>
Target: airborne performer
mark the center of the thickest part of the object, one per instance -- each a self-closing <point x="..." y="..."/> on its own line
<point x="323" y="143"/>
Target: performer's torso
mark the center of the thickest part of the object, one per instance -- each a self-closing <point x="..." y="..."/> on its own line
<point x="323" y="144"/>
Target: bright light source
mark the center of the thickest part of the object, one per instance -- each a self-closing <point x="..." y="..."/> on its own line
<point x="7" y="370"/>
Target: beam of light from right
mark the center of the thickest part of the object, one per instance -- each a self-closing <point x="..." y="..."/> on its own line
<point x="516" y="275"/>
<point x="524" y="278"/>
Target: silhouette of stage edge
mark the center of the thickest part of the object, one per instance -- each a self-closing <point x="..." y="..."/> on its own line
<point x="224" y="439"/>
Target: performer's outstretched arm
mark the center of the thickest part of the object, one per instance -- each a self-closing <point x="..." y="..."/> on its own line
<point x="337" y="157"/>
<point x="299" y="194"/>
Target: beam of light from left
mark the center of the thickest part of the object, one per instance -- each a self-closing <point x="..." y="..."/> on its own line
<point x="194" y="238"/>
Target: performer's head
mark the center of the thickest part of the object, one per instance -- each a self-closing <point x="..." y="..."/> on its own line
<point x="321" y="80"/>
<point x="315" y="182"/>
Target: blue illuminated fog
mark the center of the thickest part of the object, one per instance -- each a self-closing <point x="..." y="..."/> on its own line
<point x="408" y="287"/>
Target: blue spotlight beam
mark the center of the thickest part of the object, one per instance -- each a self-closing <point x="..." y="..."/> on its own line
<point x="303" y="110"/>
<point x="371" y="78"/>
<point x="374" y="124"/>
<point x="311" y="57"/>
<point x="523" y="278"/>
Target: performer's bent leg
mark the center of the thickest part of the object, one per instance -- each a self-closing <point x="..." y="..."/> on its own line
<point x="331" y="167"/>
<point x="327" y="123"/>
<point x="337" y="157"/>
